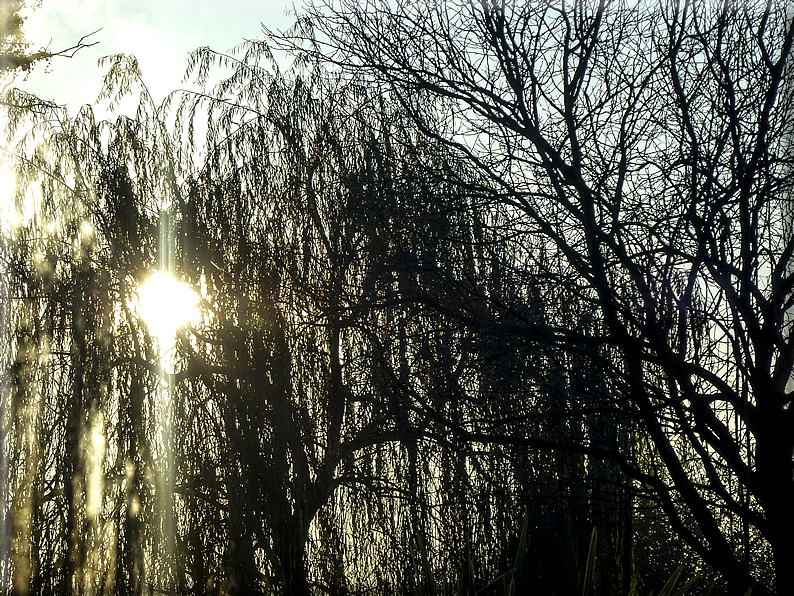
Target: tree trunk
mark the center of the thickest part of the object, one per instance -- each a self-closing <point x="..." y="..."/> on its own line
<point x="774" y="470"/>
<point x="290" y="547"/>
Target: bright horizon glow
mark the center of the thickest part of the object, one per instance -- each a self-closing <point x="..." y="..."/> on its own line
<point x="167" y="305"/>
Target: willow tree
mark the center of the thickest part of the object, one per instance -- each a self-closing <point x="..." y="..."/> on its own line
<point x="79" y="238"/>
<point x="289" y="436"/>
<point x="649" y="145"/>
<point x="319" y="238"/>
<point x="206" y="468"/>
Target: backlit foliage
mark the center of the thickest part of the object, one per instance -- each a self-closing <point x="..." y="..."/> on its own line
<point x="410" y="370"/>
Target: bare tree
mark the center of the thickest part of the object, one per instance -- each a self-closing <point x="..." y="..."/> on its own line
<point x="649" y="146"/>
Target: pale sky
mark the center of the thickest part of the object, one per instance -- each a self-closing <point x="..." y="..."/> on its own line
<point x="161" y="34"/>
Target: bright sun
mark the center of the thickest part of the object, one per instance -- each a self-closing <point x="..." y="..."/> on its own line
<point x="167" y="305"/>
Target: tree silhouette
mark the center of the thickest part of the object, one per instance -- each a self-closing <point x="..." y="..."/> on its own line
<point x="647" y="145"/>
<point x="508" y="276"/>
<point x="298" y="411"/>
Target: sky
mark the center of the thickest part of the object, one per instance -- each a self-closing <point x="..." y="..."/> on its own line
<point x="160" y="33"/>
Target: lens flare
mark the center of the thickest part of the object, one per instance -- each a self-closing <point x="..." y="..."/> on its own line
<point x="166" y="305"/>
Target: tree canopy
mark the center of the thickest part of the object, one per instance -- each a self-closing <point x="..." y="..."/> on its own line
<point x="649" y="145"/>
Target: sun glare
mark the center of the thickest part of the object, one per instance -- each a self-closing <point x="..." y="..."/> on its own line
<point x="167" y="305"/>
